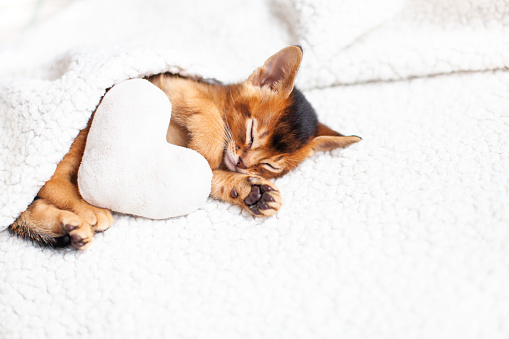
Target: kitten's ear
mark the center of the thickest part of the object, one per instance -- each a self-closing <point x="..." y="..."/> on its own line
<point x="279" y="71"/>
<point x="328" y="139"/>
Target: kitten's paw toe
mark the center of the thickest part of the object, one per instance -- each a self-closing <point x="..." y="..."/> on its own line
<point x="82" y="237"/>
<point x="99" y="218"/>
<point x="263" y="199"/>
<point x="80" y="233"/>
<point x="104" y="219"/>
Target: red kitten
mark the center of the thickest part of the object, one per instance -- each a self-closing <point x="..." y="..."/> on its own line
<point x="248" y="132"/>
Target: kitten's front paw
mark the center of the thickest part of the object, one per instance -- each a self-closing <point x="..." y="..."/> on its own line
<point x="259" y="196"/>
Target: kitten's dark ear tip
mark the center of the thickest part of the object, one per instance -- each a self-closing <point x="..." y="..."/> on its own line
<point x="300" y="47"/>
<point x="360" y="138"/>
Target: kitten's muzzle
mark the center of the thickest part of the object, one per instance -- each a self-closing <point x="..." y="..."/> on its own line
<point x="234" y="163"/>
<point x="230" y="161"/>
<point x="240" y="164"/>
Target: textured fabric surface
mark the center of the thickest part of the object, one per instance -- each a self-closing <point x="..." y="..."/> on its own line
<point x="369" y="40"/>
<point x="403" y="235"/>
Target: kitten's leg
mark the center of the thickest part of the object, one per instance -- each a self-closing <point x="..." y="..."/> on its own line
<point x="254" y="193"/>
<point x="62" y="189"/>
<point x="63" y="193"/>
<point x="61" y="204"/>
<point x="45" y="224"/>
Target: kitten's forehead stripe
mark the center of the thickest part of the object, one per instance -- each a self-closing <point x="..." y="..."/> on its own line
<point x="244" y="109"/>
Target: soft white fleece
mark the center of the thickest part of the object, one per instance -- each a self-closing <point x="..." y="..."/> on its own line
<point x="403" y="235"/>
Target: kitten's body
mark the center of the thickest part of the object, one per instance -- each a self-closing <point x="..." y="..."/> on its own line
<point x="247" y="132"/>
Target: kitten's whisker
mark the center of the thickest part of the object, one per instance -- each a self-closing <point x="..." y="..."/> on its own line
<point x="214" y="139"/>
<point x="228" y="136"/>
<point x="292" y="161"/>
<point x="227" y="127"/>
<point x="227" y="124"/>
<point x="220" y="128"/>
<point x="228" y="130"/>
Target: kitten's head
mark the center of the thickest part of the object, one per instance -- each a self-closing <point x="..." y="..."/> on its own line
<point x="272" y="127"/>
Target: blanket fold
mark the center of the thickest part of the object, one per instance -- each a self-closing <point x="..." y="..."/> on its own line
<point x="40" y="118"/>
<point x="367" y="41"/>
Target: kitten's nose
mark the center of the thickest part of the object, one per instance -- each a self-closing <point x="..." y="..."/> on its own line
<point x="240" y="164"/>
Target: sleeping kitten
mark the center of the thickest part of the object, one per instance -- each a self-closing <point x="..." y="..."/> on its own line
<point x="248" y="132"/>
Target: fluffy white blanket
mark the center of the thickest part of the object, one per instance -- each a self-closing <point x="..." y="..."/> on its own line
<point x="403" y="235"/>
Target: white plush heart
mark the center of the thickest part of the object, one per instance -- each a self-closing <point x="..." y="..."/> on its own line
<point x="129" y="167"/>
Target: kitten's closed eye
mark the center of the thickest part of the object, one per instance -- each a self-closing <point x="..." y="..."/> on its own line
<point x="252" y="136"/>
<point x="271" y="167"/>
<point x="250" y="132"/>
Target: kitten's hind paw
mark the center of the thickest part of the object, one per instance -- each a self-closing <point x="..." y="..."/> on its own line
<point x="263" y="199"/>
<point x="100" y="219"/>
<point x="80" y="233"/>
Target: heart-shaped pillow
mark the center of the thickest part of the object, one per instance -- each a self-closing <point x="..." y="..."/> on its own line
<point x="129" y="167"/>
